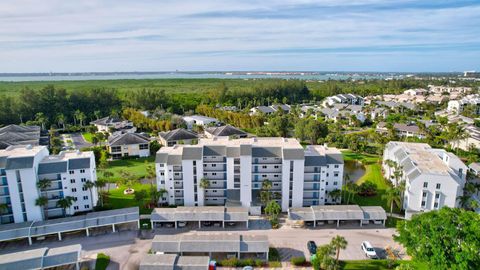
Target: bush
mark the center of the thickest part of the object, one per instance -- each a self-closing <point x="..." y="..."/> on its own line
<point x="367" y="189"/>
<point x="275" y="264"/>
<point x="298" y="261"/>
<point x="102" y="261"/>
<point x="234" y="262"/>
<point x="275" y="223"/>
<point x="273" y="254"/>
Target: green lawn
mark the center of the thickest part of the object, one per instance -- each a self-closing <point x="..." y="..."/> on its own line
<point x="88" y="136"/>
<point x="373" y="173"/>
<point x="138" y="167"/>
<point x="377" y="265"/>
<point x="102" y="261"/>
<point x="118" y="200"/>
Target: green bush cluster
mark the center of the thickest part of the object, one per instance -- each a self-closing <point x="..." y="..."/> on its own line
<point x="273" y="254"/>
<point x="102" y="261"/>
<point x="298" y="261"/>
<point x="234" y="262"/>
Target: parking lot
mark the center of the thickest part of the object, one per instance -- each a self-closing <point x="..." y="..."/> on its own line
<point x="127" y="246"/>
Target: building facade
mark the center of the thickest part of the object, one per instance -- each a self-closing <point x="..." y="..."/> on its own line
<point x="22" y="167"/>
<point x="457" y="106"/>
<point x="434" y="178"/>
<point x="236" y="169"/>
<point x="128" y="145"/>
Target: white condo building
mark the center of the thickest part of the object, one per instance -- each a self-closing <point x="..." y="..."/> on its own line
<point x="433" y="177"/>
<point x="21" y="167"/>
<point x="236" y="169"/>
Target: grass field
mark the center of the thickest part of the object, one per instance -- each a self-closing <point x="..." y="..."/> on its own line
<point x="373" y="173"/>
<point x="119" y="200"/>
<point x="138" y="167"/>
<point x="377" y="265"/>
<point x="88" y="137"/>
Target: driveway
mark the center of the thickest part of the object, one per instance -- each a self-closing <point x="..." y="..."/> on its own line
<point x="126" y="248"/>
<point x="79" y="141"/>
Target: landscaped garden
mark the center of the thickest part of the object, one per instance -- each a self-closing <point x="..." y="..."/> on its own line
<point x="138" y="168"/>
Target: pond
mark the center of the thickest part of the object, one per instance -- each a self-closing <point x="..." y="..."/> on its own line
<point x="354" y="169"/>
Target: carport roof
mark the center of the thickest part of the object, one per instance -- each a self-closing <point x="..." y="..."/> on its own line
<point x="173" y="261"/>
<point x="302" y="213"/>
<point x="200" y="213"/>
<point x="337" y="212"/>
<point x="374" y="213"/>
<point x="41" y="258"/>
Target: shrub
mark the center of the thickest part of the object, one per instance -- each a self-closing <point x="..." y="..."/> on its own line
<point x="367" y="189"/>
<point x="275" y="264"/>
<point x="259" y="263"/>
<point x="232" y="262"/>
<point x="102" y="261"/>
<point x="298" y="261"/>
<point x="273" y="254"/>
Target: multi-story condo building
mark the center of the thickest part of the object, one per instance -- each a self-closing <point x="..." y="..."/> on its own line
<point x="433" y="177"/>
<point x="457" y="106"/>
<point x="236" y="169"/>
<point x="351" y="99"/>
<point x="22" y="167"/>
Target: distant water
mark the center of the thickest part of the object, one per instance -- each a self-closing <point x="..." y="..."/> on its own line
<point x="314" y="76"/>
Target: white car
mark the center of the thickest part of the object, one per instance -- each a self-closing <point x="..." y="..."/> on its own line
<point x="369" y="250"/>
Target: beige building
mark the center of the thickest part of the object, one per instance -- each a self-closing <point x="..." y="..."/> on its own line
<point x="128" y="144"/>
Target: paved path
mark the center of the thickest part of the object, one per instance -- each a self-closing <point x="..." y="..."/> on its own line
<point x="79" y="141"/>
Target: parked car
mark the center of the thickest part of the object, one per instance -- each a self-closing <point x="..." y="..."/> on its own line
<point x="207" y="223"/>
<point x="247" y="268"/>
<point x="369" y="250"/>
<point x="182" y="224"/>
<point x="312" y="247"/>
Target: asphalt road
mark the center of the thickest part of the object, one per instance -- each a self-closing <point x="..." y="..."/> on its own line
<point x="79" y="142"/>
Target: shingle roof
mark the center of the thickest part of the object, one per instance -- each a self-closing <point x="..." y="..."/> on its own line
<point x="211" y="150"/>
<point x="128" y="138"/>
<point x="52" y="167"/>
<point x="16" y="163"/>
<point x="227" y="130"/>
<point x="293" y="154"/>
<point x="192" y="153"/>
<point x="78" y="163"/>
<point x="315" y="161"/>
<point x="106" y="121"/>
<point x="161" y="158"/>
<point x="19" y="135"/>
<point x="178" y="135"/>
<point x="334" y="158"/>
<point x="266" y="152"/>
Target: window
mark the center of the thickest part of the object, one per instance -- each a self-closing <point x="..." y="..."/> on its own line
<point x="71" y="172"/>
<point x="143" y="146"/>
<point x="85" y="197"/>
<point x="435" y="205"/>
<point x="84" y="180"/>
<point x="335" y="183"/>
<point x="75" y="208"/>
<point x="438" y="186"/>
<point x="326" y="183"/>
<point x="336" y="166"/>
<point x="328" y="166"/>
<point x="75" y="199"/>
<point x="214" y="165"/>
<point x="276" y="166"/>
<point x="84" y="188"/>
<point x="327" y="174"/>
<point x="162" y="173"/>
<point x="116" y="149"/>
<point x="335" y="174"/>
<point x="424" y="194"/>
<point x="161" y="165"/>
<point x="72" y="181"/>
<point x="437" y="195"/>
<point x="74" y="190"/>
<point x="82" y="171"/>
<point x="423" y="203"/>
<point x="264" y="167"/>
<point x="87" y="206"/>
<point x="425" y="184"/>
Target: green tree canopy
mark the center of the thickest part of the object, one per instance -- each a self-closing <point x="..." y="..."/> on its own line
<point x="445" y="239"/>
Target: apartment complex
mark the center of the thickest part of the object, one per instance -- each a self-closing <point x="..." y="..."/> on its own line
<point x="236" y="169"/>
<point x="128" y="145"/>
<point x="457" y="106"/>
<point x="21" y="167"/>
<point x="433" y="177"/>
<point x="351" y="99"/>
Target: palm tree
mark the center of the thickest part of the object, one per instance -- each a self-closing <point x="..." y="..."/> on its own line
<point x="3" y="210"/>
<point x="339" y="242"/>
<point x="352" y="190"/>
<point x="204" y="184"/>
<point x="43" y="185"/>
<point x="335" y="195"/>
<point x="464" y="201"/>
<point x="43" y="202"/>
<point x="265" y="192"/>
<point x="61" y="120"/>
<point x="65" y="203"/>
<point x="402" y="186"/>
<point x="89" y="185"/>
<point x="272" y="209"/>
<point x="391" y="196"/>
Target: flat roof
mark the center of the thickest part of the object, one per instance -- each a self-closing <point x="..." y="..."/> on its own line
<point x="200" y="213"/>
<point x="337" y="212"/>
<point x="173" y="261"/>
<point x="41" y="257"/>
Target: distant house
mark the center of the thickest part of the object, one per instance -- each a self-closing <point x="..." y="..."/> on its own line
<point x="199" y="120"/>
<point x="128" y="144"/>
<point x="415" y="92"/>
<point x="402" y="130"/>
<point x="115" y="123"/>
<point x="351" y="99"/>
<point x="474" y="168"/>
<point x="378" y="112"/>
<point x="22" y="135"/>
<point x="267" y="110"/>
<point x="472" y="140"/>
<point x="225" y="131"/>
<point x="457" y="106"/>
<point x="343" y="111"/>
<point x="177" y="136"/>
<point x="396" y="104"/>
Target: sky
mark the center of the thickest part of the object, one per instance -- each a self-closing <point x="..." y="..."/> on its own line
<point x="269" y="35"/>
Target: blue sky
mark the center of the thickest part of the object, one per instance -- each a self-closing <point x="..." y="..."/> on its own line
<point x="325" y="35"/>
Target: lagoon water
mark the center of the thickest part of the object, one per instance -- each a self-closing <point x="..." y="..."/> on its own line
<point x="314" y="76"/>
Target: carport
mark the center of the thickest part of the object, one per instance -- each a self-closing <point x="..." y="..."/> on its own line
<point x="173" y="261"/>
<point x="42" y="258"/>
<point x="336" y="213"/>
<point x="32" y="229"/>
<point x="375" y="214"/>
<point x="199" y="214"/>
<point x="212" y="244"/>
